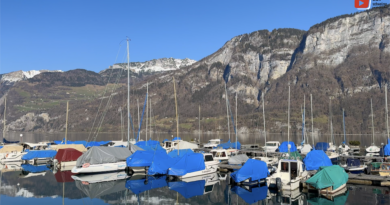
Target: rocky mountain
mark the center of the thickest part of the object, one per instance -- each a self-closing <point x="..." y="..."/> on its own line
<point x="9" y="78"/>
<point x="345" y="59"/>
<point x="155" y="65"/>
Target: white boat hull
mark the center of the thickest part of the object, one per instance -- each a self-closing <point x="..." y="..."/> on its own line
<point x="373" y="149"/>
<point x="96" y="168"/>
<point x="13" y="157"/>
<point x="103" y="177"/>
<point x="211" y="167"/>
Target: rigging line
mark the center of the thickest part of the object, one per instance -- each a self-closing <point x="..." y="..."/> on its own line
<point x="108" y="103"/>
<point x="97" y="114"/>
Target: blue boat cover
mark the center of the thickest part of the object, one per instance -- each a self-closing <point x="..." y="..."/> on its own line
<point x="165" y="140"/>
<point x="283" y="147"/>
<point x="141" y="185"/>
<point x="316" y="159"/>
<point x="253" y="169"/>
<point x="1" y="147"/>
<point x="182" y="152"/>
<point x="93" y="143"/>
<point x="353" y="162"/>
<point x="142" y="158"/>
<point x="151" y="147"/>
<point x="176" y="138"/>
<point x="322" y="146"/>
<point x="71" y="142"/>
<point x="34" y="169"/>
<point x="39" y="154"/>
<point x="188" y="163"/>
<point x="229" y="144"/>
<point x="387" y="148"/>
<point x="256" y="194"/>
<point x="9" y="142"/>
<point x="147" y="143"/>
<point x="188" y="189"/>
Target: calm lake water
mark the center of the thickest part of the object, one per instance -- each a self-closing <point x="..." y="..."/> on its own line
<point x="38" y="185"/>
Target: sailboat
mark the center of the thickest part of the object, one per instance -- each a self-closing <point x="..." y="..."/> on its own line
<point x="304" y="148"/>
<point x="108" y="159"/>
<point x="373" y="149"/>
<point x="344" y="148"/>
<point x="331" y="152"/>
<point x="290" y="172"/>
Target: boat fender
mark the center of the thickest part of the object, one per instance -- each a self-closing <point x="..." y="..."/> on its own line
<point x="278" y="183"/>
<point x="86" y="165"/>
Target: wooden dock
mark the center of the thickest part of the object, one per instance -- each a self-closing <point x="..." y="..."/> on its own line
<point x="364" y="179"/>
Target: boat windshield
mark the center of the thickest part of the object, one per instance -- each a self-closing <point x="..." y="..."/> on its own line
<point x="208" y="188"/>
<point x="294" y="170"/>
<point x="167" y="144"/>
<point x="208" y="158"/>
<point x="284" y="167"/>
<point x="271" y="144"/>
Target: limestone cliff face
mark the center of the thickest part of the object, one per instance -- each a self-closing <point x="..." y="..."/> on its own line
<point x="330" y="42"/>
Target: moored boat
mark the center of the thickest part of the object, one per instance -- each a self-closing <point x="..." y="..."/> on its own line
<point x="329" y="180"/>
<point x="191" y="165"/>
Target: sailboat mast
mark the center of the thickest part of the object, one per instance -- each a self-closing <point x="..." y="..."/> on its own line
<point x="139" y="123"/>
<point x="265" y="133"/>
<point x="147" y="100"/>
<point x="227" y="111"/>
<point x="372" y="122"/>
<point x="288" y="123"/>
<point x="344" y="126"/>
<point x="331" y="120"/>
<point x="128" y="94"/>
<point x="387" y="114"/>
<point x="236" y="123"/>
<point x="311" y="112"/>
<point x="199" y="124"/>
<point x="150" y="119"/>
<point x="66" y="124"/>
<point x="177" y="117"/>
<point x="5" y="113"/>
<point x="121" y="124"/>
<point x="304" y="119"/>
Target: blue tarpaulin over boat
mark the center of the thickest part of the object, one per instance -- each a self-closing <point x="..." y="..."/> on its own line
<point x="283" y="147"/>
<point x="387" y="148"/>
<point x="34" y="169"/>
<point x="39" y="154"/>
<point x="147" y="143"/>
<point x="162" y="162"/>
<point x="143" y="158"/>
<point x="188" y="163"/>
<point x="181" y="152"/>
<point x="253" y="169"/>
<point x="93" y="143"/>
<point x="141" y="185"/>
<point x="9" y="142"/>
<point x="322" y="146"/>
<point x="229" y="144"/>
<point x="151" y="147"/>
<point x="176" y="138"/>
<point x="316" y="159"/>
<point x="254" y="195"/>
<point x="188" y="189"/>
<point x="1" y="147"/>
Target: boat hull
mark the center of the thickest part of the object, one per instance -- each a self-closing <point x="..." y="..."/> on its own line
<point x="210" y="168"/>
<point x="96" y="168"/>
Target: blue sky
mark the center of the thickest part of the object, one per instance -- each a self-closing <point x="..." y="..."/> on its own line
<point x="70" y="34"/>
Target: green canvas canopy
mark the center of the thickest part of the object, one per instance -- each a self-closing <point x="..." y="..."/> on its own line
<point x="338" y="200"/>
<point x="329" y="176"/>
<point x="292" y="155"/>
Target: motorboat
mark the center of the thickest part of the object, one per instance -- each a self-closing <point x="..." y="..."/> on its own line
<point x="328" y="180"/>
<point x="353" y="166"/>
<point x="179" y="144"/>
<point x="39" y="156"/>
<point x="333" y="156"/>
<point x="13" y="156"/>
<point x="100" y="177"/>
<point x="252" y="172"/>
<point x="213" y="143"/>
<point x="250" y="146"/>
<point x="6" y="150"/>
<point x="373" y="149"/>
<point x="140" y="161"/>
<point x="220" y="154"/>
<point x="289" y="175"/>
<point x="271" y="146"/>
<point x="66" y="158"/>
<point x="102" y="159"/>
<point x="192" y="165"/>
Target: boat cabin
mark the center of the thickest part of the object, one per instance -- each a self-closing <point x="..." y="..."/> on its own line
<point x="213" y="143"/>
<point x="271" y="146"/>
<point x="219" y="154"/>
<point x="250" y="146"/>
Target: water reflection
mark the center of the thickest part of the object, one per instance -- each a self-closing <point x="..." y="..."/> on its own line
<point x="119" y="188"/>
